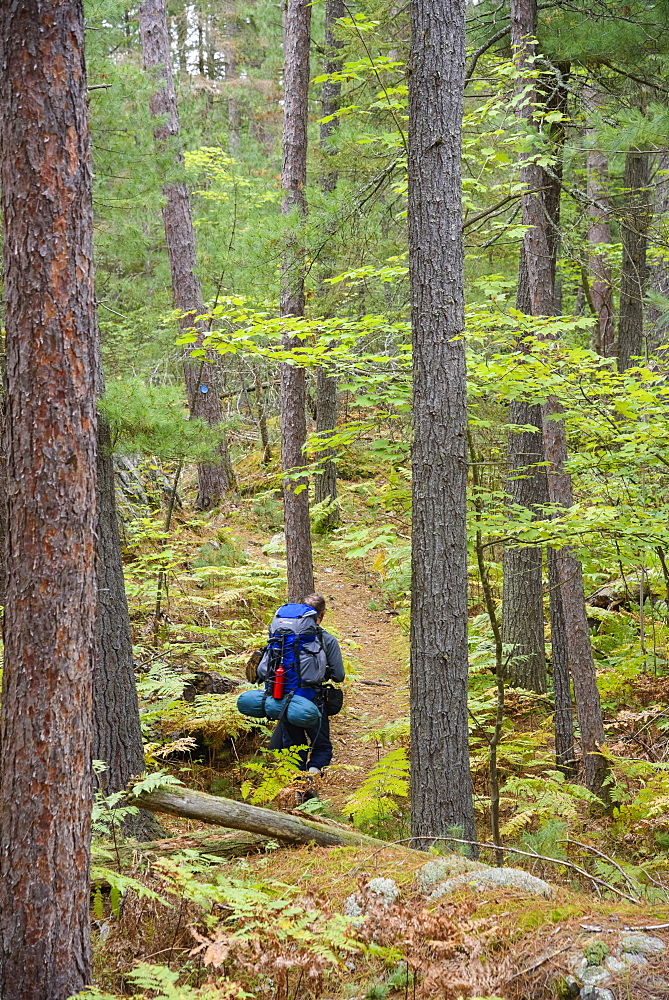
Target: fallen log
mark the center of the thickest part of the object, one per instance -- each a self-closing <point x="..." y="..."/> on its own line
<point x="231" y="845"/>
<point x="241" y="816"/>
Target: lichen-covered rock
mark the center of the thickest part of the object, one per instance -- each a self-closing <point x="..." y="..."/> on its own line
<point x="386" y="888"/>
<point x="483" y="879"/>
<point x="639" y="943"/>
<point x="596" y="993"/>
<point x="617" y="966"/>
<point x="443" y="868"/>
<point x="595" y="975"/>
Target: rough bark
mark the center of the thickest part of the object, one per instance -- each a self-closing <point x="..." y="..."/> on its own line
<point x="117" y="732"/>
<point x="599" y="234"/>
<point x="330" y="95"/>
<point x="657" y="321"/>
<point x="46" y="718"/>
<point x="440" y="773"/>
<point x="634" y="271"/>
<point x="522" y="606"/>
<point x="297" y="23"/>
<point x="325" y="484"/>
<point x="579" y="646"/>
<point x="241" y="816"/>
<point x="563" y="722"/>
<point x="214" y="478"/>
<point x="539" y="254"/>
<point x="3" y="478"/>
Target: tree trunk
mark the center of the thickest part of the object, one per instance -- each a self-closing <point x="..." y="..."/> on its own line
<point x="214" y="479"/>
<point x="657" y="325"/>
<point x="539" y="253"/>
<point x="330" y="95"/>
<point x="523" y="606"/>
<point x="563" y="722"/>
<point x="599" y="234"/>
<point x="440" y="773"/>
<point x="325" y="484"/>
<point x="117" y="732"/>
<point x="46" y="717"/>
<point x="570" y="576"/>
<point x="297" y="24"/>
<point x="634" y="271"/>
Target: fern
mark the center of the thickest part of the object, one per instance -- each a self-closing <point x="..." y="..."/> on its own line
<point x="375" y="802"/>
<point x="275" y="772"/>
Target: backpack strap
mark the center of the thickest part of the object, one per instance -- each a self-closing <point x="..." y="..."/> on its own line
<point x="289" y="698"/>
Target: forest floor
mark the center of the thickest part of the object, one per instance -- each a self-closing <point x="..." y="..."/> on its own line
<point x="531" y="943"/>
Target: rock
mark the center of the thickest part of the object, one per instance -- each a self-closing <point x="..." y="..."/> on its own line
<point x="567" y="987"/>
<point x="384" y="889"/>
<point x="596" y="993"/>
<point x="595" y="975"/>
<point x="632" y="958"/>
<point x="616" y="965"/>
<point x="640" y="943"/>
<point x="445" y="867"/>
<point x="484" y="879"/>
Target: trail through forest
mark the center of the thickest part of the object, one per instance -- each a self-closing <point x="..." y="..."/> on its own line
<point x="375" y="652"/>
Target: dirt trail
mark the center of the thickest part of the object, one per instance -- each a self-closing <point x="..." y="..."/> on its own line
<point x="375" y="649"/>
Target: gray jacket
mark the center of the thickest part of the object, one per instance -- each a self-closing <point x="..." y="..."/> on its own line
<point x="335" y="668"/>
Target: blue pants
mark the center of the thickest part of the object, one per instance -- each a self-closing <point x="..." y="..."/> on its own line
<point x="319" y="753"/>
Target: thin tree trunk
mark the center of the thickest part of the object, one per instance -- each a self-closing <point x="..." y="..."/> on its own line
<point x="325" y="484"/>
<point x="657" y="325"/>
<point x="117" y="732"/>
<point x="331" y="93"/>
<point x="539" y="256"/>
<point x="634" y="271"/>
<point x="230" y="32"/>
<point x="563" y="722"/>
<point x="214" y="479"/>
<point x="570" y="575"/>
<point x="599" y="234"/>
<point x="262" y="424"/>
<point x="46" y="716"/>
<point x="523" y="606"/>
<point x="297" y="23"/>
<point x="440" y="773"/>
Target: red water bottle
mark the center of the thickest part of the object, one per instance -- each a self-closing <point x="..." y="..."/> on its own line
<point x="279" y="678"/>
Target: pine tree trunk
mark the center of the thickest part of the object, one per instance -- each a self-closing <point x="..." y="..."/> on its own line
<point x="563" y="722"/>
<point x="46" y="716"/>
<point x="539" y="254"/>
<point x="599" y="234"/>
<point x="117" y="732"/>
<point x="657" y="324"/>
<point x="579" y="646"/>
<point x="297" y="23"/>
<point x="440" y="774"/>
<point x="331" y="93"/>
<point x="634" y="271"/>
<point x="214" y="479"/>
<point x="523" y="606"/>
<point x="325" y="484"/>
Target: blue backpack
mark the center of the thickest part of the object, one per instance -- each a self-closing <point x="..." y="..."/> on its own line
<point x="295" y="642"/>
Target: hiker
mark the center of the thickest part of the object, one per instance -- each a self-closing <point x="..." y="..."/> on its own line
<point x="286" y="735"/>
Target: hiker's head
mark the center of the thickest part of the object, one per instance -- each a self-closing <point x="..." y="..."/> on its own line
<point x="316" y="601"/>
